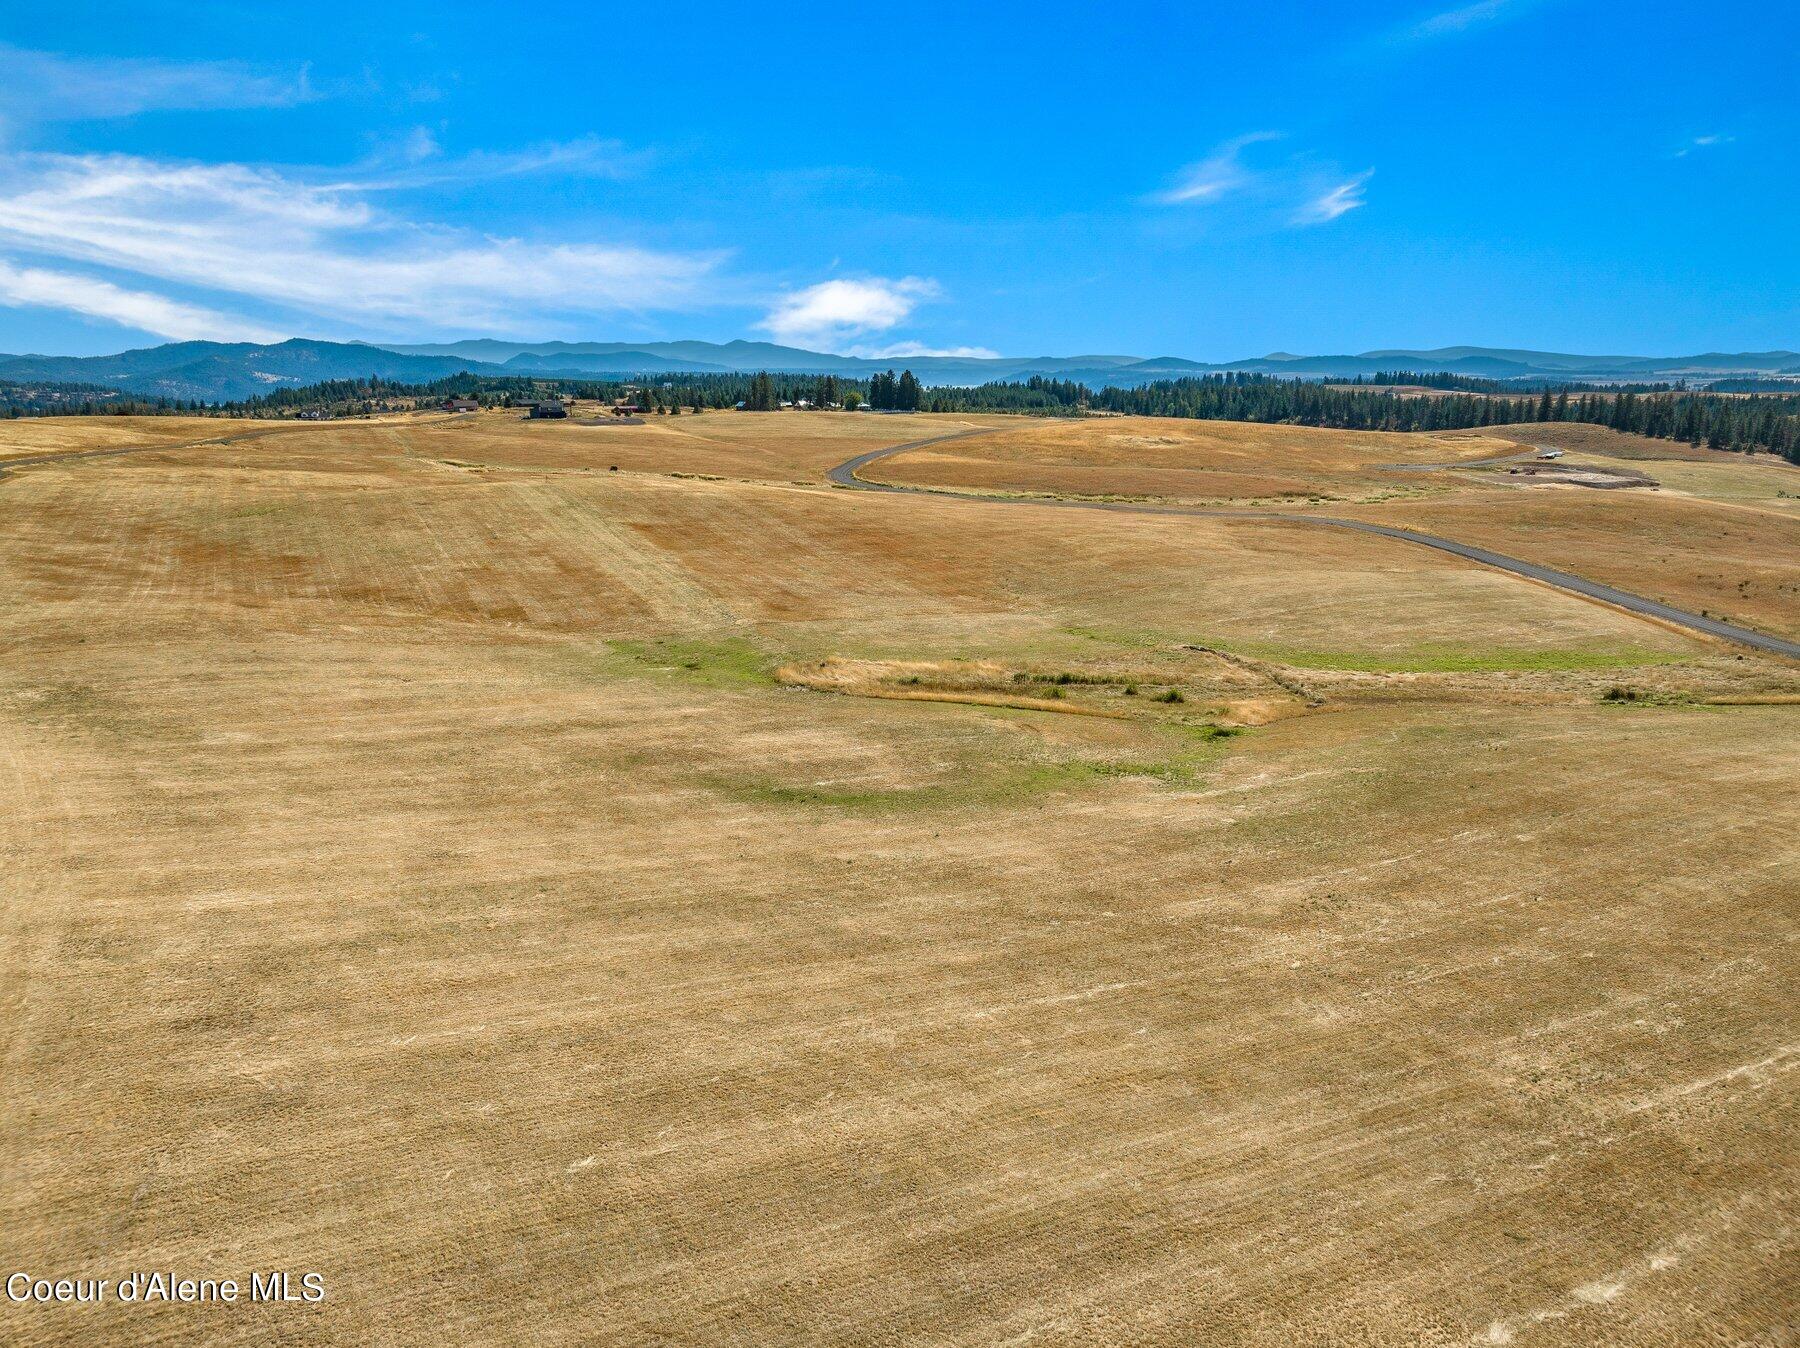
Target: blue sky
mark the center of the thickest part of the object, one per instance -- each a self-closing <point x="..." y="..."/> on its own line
<point x="1189" y="179"/>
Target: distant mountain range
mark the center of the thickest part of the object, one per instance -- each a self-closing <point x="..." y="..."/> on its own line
<point x="227" y="371"/>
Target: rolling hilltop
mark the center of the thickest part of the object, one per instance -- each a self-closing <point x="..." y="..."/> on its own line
<point x="226" y="371"/>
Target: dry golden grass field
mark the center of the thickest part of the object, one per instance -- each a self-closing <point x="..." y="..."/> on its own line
<point x="694" y="905"/>
<point x="1719" y="533"/>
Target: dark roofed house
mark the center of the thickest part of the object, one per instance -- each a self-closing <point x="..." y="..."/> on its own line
<point x="461" y="405"/>
<point x="549" y="409"/>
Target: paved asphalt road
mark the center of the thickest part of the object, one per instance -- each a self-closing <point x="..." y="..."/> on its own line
<point x="845" y="475"/>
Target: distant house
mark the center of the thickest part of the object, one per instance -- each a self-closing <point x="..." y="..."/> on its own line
<point x="461" y="405"/>
<point x="626" y="409"/>
<point x="549" y="409"/>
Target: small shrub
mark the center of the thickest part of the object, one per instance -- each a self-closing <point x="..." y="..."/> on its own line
<point x="1173" y="695"/>
<point x="1131" y="690"/>
<point x="1620" y="693"/>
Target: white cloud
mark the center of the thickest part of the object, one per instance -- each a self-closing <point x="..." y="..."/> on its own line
<point x="1292" y="189"/>
<point x="1335" y="201"/>
<point x="418" y="161"/>
<point x="1703" y="143"/>
<point x="1448" y="24"/>
<point x="420" y="144"/>
<point x="243" y="252"/>
<point x="827" y="314"/>
<point x="133" y="308"/>
<point x="1219" y="175"/>
<point x="1452" y="21"/>
<point x="273" y="239"/>
<point x="907" y="350"/>
<point x="46" y="86"/>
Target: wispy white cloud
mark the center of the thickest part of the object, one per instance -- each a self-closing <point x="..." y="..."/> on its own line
<point x="908" y="350"/>
<point x="832" y="312"/>
<point x="36" y="286"/>
<point x="1706" y="142"/>
<point x="1449" y="22"/>
<point x="1443" y="25"/>
<point x="1215" y="177"/>
<point x="268" y="239"/>
<point x="1335" y="201"/>
<point x="41" y="86"/>
<point x="419" y="161"/>
<point x="1285" y="190"/>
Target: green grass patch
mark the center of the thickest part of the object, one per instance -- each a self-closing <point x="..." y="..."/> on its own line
<point x="731" y="662"/>
<point x="1186" y="752"/>
<point x="1192" y="749"/>
<point x="1001" y="785"/>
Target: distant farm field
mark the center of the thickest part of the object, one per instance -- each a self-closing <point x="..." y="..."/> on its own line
<point x="591" y="884"/>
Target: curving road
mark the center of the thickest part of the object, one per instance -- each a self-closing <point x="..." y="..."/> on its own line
<point x="69" y="456"/>
<point x="845" y="475"/>
<point x="37" y="460"/>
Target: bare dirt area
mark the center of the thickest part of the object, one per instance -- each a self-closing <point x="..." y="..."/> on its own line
<point x="1566" y="474"/>
<point x="679" y="906"/>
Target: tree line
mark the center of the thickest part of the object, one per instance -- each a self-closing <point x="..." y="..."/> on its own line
<point x="1767" y="421"/>
<point x="1468" y="383"/>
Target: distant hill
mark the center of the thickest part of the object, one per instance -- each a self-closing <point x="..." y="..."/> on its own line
<point x="1600" y="367"/>
<point x="627" y="362"/>
<point x="225" y="371"/>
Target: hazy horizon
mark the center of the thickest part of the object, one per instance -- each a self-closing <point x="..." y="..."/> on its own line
<point x="1087" y="352"/>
